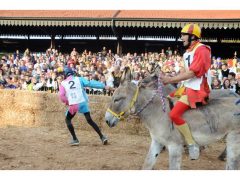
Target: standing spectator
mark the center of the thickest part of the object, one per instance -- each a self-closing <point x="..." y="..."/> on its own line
<point x="17" y="55"/>
<point x="109" y="82"/>
<point x="116" y="76"/>
<point x="26" y="52"/>
<point x="74" y="52"/>
<point x="219" y="62"/>
<point x="104" y="52"/>
<point x="169" y="52"/>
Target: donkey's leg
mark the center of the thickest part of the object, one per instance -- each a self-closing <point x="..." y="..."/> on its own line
<point x="233" y="150"/>
<point x="175" y="156"/>
<point x="223" y="155"/>
<point x="154" y="151"/>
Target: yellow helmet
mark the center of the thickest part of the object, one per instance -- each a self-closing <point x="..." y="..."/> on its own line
<point x="192" y="29"/>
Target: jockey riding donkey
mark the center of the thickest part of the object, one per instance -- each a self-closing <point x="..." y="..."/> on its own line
<point x="196" y="80"/>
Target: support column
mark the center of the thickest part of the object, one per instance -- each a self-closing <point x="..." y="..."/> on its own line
<point x="218" y="40"/>
<point x="119" y="46"/>
<point x="61" y="44"/>
<point x="52" y="42"/>
<point x="28" y="41"/>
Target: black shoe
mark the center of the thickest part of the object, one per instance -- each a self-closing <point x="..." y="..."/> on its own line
<point x="74" y="142"/>
<point x="104" y="140"/>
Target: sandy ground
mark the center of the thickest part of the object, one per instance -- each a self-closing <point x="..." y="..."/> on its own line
<point x="47" y="149"/>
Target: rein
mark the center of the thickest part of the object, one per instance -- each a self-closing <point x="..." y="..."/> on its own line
<point x="159" y="91"/>
<point x="134" y="99"/>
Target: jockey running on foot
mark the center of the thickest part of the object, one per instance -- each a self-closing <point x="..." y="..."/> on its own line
<point x="72" y="93"/>
<point x="196" y="82"/>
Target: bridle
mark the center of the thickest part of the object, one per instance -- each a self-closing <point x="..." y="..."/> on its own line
<point x="121" y="114"/>
<point x="134" y="99"/>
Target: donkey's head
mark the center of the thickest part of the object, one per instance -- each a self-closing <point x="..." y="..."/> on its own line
<point x="150" y="81"/>
<point x="123" y="99"/>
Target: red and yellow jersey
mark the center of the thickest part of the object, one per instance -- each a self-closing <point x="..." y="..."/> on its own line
<point x="197" y="59"/>
<point x="200" y="66"/>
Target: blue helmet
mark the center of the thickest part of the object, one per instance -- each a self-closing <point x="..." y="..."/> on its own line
<point x="68" y="71"/>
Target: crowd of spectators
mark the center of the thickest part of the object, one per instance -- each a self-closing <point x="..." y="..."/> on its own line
<point x="226" y="74"/>
<point x="37" y="71"/>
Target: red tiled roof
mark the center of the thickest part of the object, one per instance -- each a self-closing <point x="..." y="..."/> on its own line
<point x="57" y="13"/>
<point x="182" y="14"/>
<point x="144" y="14"/>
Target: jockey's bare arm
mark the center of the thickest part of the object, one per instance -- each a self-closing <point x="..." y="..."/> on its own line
<point x="181" y="77"/>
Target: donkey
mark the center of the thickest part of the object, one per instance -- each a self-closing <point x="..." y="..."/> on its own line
<point x="208" y="123"/>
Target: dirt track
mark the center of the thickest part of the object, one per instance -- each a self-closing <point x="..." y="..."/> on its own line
<point x="47" y="148"/>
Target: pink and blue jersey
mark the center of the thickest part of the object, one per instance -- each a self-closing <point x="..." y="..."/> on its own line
<point x="72" y="93"/>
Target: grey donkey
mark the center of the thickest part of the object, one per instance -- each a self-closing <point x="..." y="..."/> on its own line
<point x="208" y="123"/>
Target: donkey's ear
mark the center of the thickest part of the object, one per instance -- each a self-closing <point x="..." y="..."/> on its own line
<point x="126" y="76"/>
<point x="156" y="71"/>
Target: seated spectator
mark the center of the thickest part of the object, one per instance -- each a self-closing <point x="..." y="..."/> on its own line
<point x="219" y="62"/>
<point x="1" y="86"/>
<point x="228" y="85"/>
<point x="59" y="80"/>
<point x="2" y="80"/>
<point x="232" y="78"/>
<point x="136" y="78"/>
<point x="9" y="84"/>
<point x="33" y="82"/>
<point x="225" y="70"/>
<point x="216" y="84"/>
<point x="238" y="86"/>
<point x="51" y="82"/>
<point x="15" y="82"/>
<point x="71" y="63"/>
<point x="41" y="85"/>
<point x="22" y="67"/>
